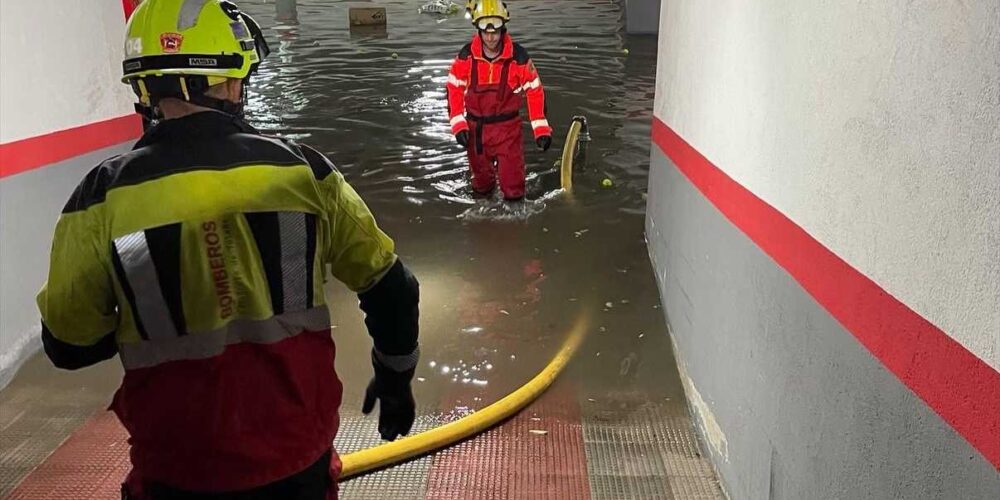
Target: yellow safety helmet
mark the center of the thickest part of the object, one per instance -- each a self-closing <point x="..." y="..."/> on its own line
<point x="179" y="48"/>
<point x="488" y="15"/>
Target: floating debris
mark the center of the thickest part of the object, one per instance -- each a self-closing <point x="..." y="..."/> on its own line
<point x="609" y="305"/>
<point x="581" y="232"/>
<point x="538" y="432"/>
<point x="439" y="7"/>
<point x="421" y="379"/>
<point x="432" y="364"/>
<point x="445" y="370"/>
<point x="504" y="312"/>
<point x="607" y="183"/>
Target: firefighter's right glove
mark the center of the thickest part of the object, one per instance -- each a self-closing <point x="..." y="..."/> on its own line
<point x="462" y="138"/>
<point x="391" y="386"/>
<point x="544" y="142"/>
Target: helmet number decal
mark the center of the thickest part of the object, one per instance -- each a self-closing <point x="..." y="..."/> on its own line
<point x="133" y="46"/>
<point x="171" y="42"/>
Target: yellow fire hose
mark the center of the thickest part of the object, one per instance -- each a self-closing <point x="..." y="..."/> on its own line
<point x="569" y="151"/>
<point x="419" y="444"/>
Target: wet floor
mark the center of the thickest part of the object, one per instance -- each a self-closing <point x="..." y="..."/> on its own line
<point x="501" y="285"/>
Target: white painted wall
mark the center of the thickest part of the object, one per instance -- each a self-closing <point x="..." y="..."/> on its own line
<point x="875" y="126"/>
<point x="61" y="63"/>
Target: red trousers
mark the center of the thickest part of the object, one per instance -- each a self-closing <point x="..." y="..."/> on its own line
<point x="497" y="148"/>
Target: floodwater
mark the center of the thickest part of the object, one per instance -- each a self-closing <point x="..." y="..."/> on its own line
<point x="501" y="285"/>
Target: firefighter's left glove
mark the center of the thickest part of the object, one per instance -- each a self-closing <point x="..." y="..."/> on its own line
<point x="462" y="138"/>
<point x="391" y="386"/>
<point x="544" y="142"/>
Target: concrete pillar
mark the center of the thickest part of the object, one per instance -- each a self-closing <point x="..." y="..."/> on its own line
<point x="642" y="17"/>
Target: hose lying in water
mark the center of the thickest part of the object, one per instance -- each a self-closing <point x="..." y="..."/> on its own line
<point x="377" y="457"/>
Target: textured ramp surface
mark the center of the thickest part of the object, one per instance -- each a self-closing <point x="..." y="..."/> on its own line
<point x="407" y="481"/>
<point x="537" y="454"/>
<point x="638" y="449"/>
<point x="620" y="448"/>
<point x="91" y="464"/>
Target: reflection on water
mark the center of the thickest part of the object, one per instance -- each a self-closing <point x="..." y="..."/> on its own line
<point x="501" y="283"/>
<point x="376" y="101"/>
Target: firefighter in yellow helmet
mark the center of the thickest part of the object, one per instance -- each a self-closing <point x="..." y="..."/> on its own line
<point x="488" y="84"/>
<point x="199" y="259"/>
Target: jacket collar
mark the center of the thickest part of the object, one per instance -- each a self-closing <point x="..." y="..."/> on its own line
<point x="201" y="125"/>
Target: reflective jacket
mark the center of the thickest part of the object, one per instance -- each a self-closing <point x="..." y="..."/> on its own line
<point x="199" y="257"/>
<point x="471" y="71"/>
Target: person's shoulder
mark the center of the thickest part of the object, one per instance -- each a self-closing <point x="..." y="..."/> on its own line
<point x="93" y="188"/>
<point x="521" y="54"/>
<point x="320" y="164"/>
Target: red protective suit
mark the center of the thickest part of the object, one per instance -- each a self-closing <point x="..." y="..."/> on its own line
<point x="485" y="98"/>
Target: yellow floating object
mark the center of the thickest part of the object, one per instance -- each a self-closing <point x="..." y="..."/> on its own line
<point x="569" y="148"/>
<point x="607" y="183"/>
<point x="386" y="454"/>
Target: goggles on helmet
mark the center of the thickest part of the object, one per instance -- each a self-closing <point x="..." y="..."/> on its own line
<point x="490" y="24"/>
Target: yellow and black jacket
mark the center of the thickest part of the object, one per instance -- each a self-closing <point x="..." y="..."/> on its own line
<point x="199" y="257"/>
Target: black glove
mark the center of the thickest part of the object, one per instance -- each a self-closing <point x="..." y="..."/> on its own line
<point x="544" y="142"/>
<point x="463" y="139"/>
<point x="397" y="410"/>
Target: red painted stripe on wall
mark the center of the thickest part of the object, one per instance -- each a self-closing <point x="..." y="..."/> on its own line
<point x="27" y="154"/>
<point x="956" y="384"/>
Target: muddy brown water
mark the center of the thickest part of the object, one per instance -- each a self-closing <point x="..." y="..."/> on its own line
<point x="501" y="285"/>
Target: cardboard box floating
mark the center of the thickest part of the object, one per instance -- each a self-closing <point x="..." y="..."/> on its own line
<point x="367" y="15"/>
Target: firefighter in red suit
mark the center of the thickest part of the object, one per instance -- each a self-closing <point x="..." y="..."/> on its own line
<point x="488" y="82"/>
